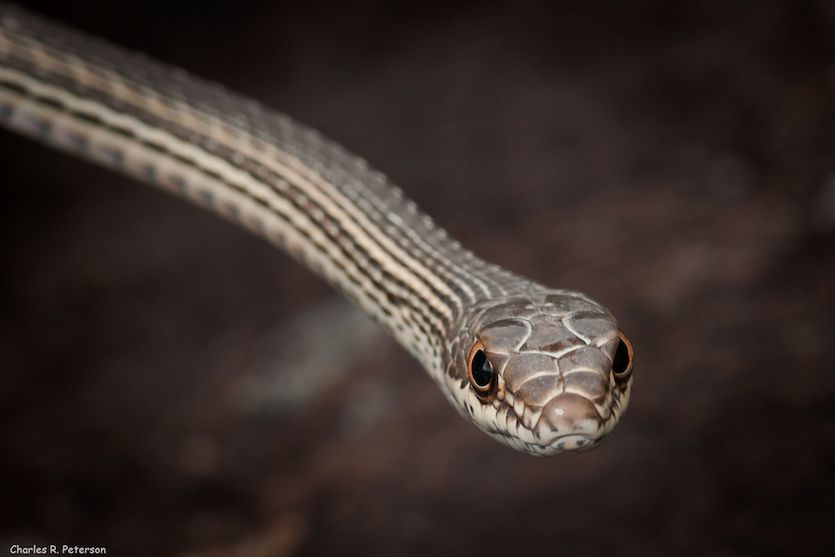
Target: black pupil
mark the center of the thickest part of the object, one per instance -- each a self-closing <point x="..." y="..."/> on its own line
<point x="620" y="362"/>
<point x="482" y="369"/>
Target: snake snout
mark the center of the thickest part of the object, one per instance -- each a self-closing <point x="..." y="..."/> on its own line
<point x="569" y="414"/>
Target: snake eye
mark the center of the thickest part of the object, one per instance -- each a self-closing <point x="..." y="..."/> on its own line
<point x="622" y="360"/>
<point x="480" y="371"/>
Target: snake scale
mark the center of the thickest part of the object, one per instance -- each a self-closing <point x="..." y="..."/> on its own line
<point x="543" y="370"/>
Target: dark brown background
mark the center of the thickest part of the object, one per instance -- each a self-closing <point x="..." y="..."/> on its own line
<point x="673" y="161"/>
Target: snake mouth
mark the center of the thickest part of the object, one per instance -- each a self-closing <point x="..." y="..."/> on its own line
<point x="566" y="422"/>
<point x="571" y="442"/>
<point x="541" y="447"/>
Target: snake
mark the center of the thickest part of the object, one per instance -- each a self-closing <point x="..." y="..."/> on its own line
<point x="543" y="370"/>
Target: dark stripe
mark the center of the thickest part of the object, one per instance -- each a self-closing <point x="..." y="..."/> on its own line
<point x="235" y="161"/>
<point x="90" y="120"/>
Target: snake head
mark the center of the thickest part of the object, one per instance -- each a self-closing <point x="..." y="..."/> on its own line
<point x="544" y="372"/>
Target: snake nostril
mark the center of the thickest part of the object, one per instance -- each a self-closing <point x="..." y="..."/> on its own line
<point x="622" y="360"/>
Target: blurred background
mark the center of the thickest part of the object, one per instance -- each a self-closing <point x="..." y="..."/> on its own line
<point x="174" y="386"/>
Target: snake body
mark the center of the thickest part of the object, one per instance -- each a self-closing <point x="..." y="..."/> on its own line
<point x="540" y="369"/>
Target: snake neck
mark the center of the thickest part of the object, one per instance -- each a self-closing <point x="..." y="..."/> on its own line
<point x="325" y="207"/>
<point x="540" y="369"/>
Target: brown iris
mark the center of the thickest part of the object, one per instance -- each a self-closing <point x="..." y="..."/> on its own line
<point x="480" y="371"/>
<point x="622" y="360"/>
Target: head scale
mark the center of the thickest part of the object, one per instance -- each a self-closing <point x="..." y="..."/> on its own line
<point x="544" y="372"/>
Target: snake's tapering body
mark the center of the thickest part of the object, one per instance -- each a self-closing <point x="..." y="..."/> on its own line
<point x="540" y="369"/>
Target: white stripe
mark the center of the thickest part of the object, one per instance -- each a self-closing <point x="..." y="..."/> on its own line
<point x="305" y="177"/>
<point x="333" y="266"/>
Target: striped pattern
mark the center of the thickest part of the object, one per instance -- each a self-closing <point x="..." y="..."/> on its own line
<point x="258" y="168"/>
<point x="250" y="165"/>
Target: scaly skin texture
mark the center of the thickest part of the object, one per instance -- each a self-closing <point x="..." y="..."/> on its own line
<point x="553" y="353"/>
<point x="549" y="354"/>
